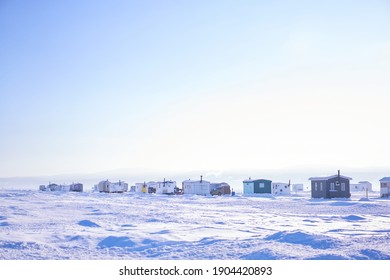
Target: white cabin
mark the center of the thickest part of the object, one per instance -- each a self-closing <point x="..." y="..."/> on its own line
<point x="201" y="187"/>
<point x="151" y="187"/>
<point x="361" y="186"/>
<point x="118" y="187"/>
<point x="108" y="187"/>
<point x="297" y="187"/>
<point x="165" y="187"/>
<point x="281" y="188"/>
<point x="385" y="186"/>
<point x="141" y="188"/>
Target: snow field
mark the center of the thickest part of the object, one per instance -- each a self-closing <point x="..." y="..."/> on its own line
<point x="56" y="225"/>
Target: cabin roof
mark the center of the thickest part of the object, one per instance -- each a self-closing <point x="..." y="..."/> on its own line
<point x="328" y="177"/>
<point x="195" y="181"/>
<point x="255" y="180"/>
<point x="385" y="179"/>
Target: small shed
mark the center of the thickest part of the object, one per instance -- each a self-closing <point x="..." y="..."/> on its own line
<point x="103" y="186"/>
<point x="361" y="186"/>
<point x="281" y="188"/>
<point x="297" y="187"/>
<point x="385" y="186"/>
<point x="257" y="186"/>
<point x="330" y="186"/>
<point x="200" y="187"/>
<point x="54" y="187"/>
<point x="220" y="188"/>
<point x="140" y="187"/>
<point x="151" y="187"/>
<point x="76" y="187"/>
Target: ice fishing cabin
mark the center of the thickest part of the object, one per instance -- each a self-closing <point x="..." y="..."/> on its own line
<point x="200" y="187"/>
<point x="160" y="187"/>
<point x="385" y="186"/>
<point x="281" y="188"/>
<point x="220" y="188"/>
<point x="335" y="186"/>
<point x="297" y="188"/>
<point x="166" y="187"/>
<point x="257" y="186"/>
<point x="76" y="187"/>
<point x="109" y="187"/>
<point x="54" y="187"/>
<point x="149" y="187"/>
<point x="361" y="186"/>
<point x="140" y="187"/>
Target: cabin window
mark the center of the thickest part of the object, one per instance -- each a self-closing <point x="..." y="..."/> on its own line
<point x="343" y="187"/>
<point x="261" y="186"/>
<point x="321" y="186"/>
<point x="315" y="186"/>
<point x="332" y="188"/>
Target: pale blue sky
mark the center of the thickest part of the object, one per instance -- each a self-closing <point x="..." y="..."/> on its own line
<point x="87" y="86"/>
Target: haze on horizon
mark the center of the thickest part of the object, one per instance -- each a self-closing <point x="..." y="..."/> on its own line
<point x="88" y="86"/>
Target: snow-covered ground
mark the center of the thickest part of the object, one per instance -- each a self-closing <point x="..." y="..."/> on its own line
<point x="54" y="225"/>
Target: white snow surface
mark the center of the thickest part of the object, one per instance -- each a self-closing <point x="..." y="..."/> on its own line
<point x="65" y="225"/>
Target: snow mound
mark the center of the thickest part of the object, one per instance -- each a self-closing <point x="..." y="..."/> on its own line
<point x="374" y="255"/>
<point x="298" y="237"/>
<point x="88" y="223"/>
<point x="328" y="257"/>
<point x="342" y="203"/>
<point x="261" y="255"/>
<point x="353" y="218"/>
<point x="76" y="238"/>
<point x="115" y="241"/>
<point x="165" y="231"/>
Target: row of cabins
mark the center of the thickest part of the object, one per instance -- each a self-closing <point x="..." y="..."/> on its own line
<point x="74" y="187"/>
<point x="334" y="186"/>
<point x="199" y="187"/>
<point x="264" y="186"/>
<point x="340" y="186"/>
<point x="321" y="187"/>
<point x="160" y="187"/>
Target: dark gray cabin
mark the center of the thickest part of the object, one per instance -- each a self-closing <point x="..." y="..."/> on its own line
<point x="330" y="187"/>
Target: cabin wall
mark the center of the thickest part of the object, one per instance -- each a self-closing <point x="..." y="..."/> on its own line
<point x="338" y="191"/>
<point x="280" y="188"/>
<point x="318" y="189"/>
<point x="249" y="188"/>
<point x="262" y="186"/>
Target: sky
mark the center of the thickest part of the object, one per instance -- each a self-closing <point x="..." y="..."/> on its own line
<point x="89" y="86"/>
